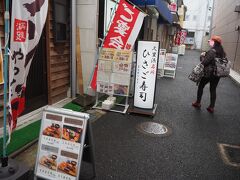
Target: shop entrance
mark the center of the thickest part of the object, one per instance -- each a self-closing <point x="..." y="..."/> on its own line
<point x="36" y="91"/>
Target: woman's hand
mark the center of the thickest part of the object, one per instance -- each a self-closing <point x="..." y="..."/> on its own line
<point x="203" y="53"/>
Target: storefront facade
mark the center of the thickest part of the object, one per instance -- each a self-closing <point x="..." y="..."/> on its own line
<point x="158" y="22"/>
<point x="49" y="76"/>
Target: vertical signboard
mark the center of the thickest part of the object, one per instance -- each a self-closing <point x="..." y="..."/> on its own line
<point x="61" y="143"/>
<point x="146" y="72"/>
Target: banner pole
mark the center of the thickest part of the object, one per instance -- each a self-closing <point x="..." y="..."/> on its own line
<point x="104" y="37"/>
<point x="6" y="20"/>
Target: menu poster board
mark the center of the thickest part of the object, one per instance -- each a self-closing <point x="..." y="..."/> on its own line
<point x="105" y="88"/>
<point x="170" y="65"/>
<point x="123" y="55"/>
<point x="122" y="90"/>
<point x="162" y="58"/>
<point x="171" y="57"/>
<point x="107" y="54"/>
<point x="104" y="76"/>
<point x="104" y="65"/>
<point x="121" y="67"/>
<point x="171" y="61"/>
<point x="146" y="74"/>
<point x="61" y="143"/>
<point x="114" y="71"/>
<point x="122" y="79"/>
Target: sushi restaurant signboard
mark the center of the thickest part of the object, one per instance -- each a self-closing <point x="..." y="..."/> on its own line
<point x="146" y="74"/>
<point x="61" y="142"/>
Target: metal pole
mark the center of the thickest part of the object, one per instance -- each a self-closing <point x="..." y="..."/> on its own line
<point x="6" y="20"/>
<point x="236" y="51"/>
<point x="105" y="35"/>
<point x="205" y="19"/>
<point x="73" y="49"/>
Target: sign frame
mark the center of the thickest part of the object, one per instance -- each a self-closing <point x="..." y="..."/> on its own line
<point x="136" y="72"/>
<point x="69" y="114"/>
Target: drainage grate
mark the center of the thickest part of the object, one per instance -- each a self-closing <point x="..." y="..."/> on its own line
<point x="230" y="154"/>
<point x="153" y="129"/>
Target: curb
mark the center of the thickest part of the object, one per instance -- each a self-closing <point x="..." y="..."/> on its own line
<point x="235" y="77"/>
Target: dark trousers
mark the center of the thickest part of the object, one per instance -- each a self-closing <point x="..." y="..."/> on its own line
<point x="213" y="85"/>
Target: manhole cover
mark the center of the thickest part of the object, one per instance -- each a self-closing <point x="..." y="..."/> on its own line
<point x="230" y="154"/>
<point x="153" y="129"/>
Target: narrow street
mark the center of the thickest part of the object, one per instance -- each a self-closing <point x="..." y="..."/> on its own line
<point x="67" y="88"/>
<point x="190" y="152"/>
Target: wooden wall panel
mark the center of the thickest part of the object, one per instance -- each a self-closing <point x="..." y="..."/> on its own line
<point x="58" y="62"/>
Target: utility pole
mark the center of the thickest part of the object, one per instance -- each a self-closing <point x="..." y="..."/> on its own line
<point x="206" y="17"/>
<point x="211" y="23"/>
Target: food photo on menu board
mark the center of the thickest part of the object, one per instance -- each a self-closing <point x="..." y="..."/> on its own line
<point x="68" y="166"/>
<point x="71" y="133"/>
<point x="52" y="129"/>
<point x="120" y="89"/>
<point x="48" y="160"/>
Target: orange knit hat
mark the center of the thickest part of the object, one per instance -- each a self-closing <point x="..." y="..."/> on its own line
<point x="217" y="38"/>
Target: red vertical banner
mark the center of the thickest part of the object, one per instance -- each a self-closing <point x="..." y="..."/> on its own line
<point x="123" y="30"/>
<point x="20" y="30"/>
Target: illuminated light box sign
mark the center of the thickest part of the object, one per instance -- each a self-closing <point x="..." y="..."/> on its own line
<point x="61" y="143"/>
<point x="146" y="73"/>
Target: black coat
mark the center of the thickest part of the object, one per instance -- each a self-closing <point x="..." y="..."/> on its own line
<point x="208" y="62"/>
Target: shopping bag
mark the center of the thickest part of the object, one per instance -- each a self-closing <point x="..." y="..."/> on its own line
<point x="197" y="73"/>
<point x="223" y="66"/>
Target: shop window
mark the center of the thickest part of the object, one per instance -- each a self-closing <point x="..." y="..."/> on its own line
<point x="190" y="34"/>
<point x="60" y="20"/>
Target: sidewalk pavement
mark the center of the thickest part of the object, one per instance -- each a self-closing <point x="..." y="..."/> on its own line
<point x="235" y="76"/>
<point x="191" y="151"/>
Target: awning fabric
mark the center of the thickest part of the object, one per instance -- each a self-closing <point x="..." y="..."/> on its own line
<point x="159" y="5"/>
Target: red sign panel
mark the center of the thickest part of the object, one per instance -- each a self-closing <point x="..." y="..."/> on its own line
<point x="121" y="27"/>
<point x="20" y="30"/>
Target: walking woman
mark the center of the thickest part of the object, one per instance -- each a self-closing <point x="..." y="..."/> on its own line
<point x="208" y="61"/>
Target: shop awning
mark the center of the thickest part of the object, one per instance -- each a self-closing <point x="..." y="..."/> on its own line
<point x="160" y="5"/>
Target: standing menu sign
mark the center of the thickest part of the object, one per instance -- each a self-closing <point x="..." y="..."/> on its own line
<point x="114" y="70"/>
<point x="61" y="143"/>
<point x="171" y="61"/>
<point x="162" y="57"/>
<point x="146" y="74"/>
